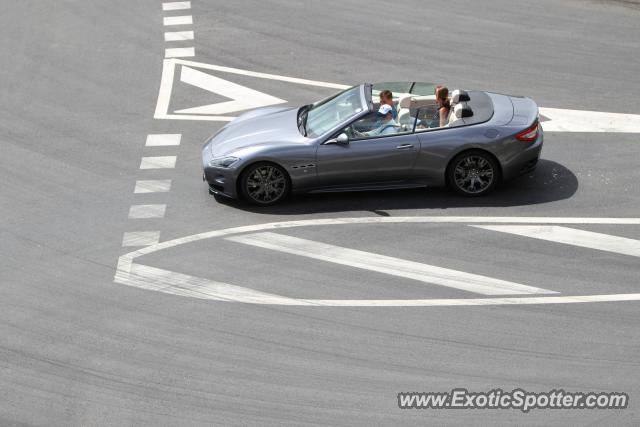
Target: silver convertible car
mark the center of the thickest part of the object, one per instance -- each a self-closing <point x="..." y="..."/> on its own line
<point x="336" y="144"/>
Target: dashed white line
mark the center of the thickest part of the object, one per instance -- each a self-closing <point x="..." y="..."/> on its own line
<point x="572" y="236"/>
<point x="176" y="5"/>
<point x="163" y="139"/>
<point x="177" y="36"/>
<point x="152" y="186"/>
<point x="178" y="20"/>
<point x="426" y="273"/>
<point x="147" y="211"/>
<point x="158" y="162"/>
<point x="179" y="52"/>
<point x="140" y="238"/>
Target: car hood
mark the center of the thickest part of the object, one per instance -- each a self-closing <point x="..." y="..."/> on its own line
<point x="256" y="128"/>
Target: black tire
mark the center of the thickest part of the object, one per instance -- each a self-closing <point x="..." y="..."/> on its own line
<point x="473" y="173"/>
<point x="264" y="184"/>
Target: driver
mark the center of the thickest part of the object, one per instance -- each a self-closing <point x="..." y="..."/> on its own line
<point x="387" y="125"/>
<point x="386" y="97"/>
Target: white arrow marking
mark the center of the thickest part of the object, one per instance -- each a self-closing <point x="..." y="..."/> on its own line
<point x="385" y="264"/>
<point x="561" y="120"/>
<point x="558" y="120"/>
<point x="572" y="236"/>
<point x="242" y="97"/>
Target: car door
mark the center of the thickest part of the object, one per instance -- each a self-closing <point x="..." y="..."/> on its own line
<point x="367" y="161"/>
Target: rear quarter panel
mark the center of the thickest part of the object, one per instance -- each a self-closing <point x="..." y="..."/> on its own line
<point x="497" y="136"/>
<point x="439" y="147"/>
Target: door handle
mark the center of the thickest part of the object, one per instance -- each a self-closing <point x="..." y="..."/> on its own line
<point x="404" y="146"/>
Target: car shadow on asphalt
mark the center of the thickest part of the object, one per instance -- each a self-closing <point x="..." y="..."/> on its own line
<point x="550" y="181"/>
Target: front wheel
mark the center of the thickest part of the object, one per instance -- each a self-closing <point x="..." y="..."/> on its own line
<point x="473" y="173"/>
<point x="264" y="184"/>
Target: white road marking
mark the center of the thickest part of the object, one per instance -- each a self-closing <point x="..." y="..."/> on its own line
<point x="176" y="5"/>
<point x="175" y="36"/>
<point x="140" y="238"/>
<point x="572" y="236"/>
<point x="561" y="120"/>
<point x="163" y="139"/>
<point x="170" y="282"/>
<point x="147" y="211"/>
<point x="178" y="20"/>
<point x="158" y="162"/>
<point x="167" y="79"/>
<point x="242" y="97"/>
<point x="385" y="264"/>
<point x="152" y="186"/>
<point x="126" y="266"/>
<point x="179" y="52"/>
<point x="266" y="76"/>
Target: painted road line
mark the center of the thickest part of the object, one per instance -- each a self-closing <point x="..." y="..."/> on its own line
<point x="179" y="52"/>
<point x="560" y="120"/>
<point x="178" y="20"/>
<point x="176" y="5"/>
<point x="140" y="238"/>
<point x="157" y="279"/>
<point x="385" y="264"/>
<point x="174" y="283"/>
<point x="127" y="270"/>
<point x="242" y="98"/>
<point x="553" y="119"/>
<point x="266" y="76"/>
<point x="177" y="36"/>
<point x="158" y="162"/>
<point x="152" y="186"/>
<point x="572" y="236"/>
<point x="163" y="139"/>
<point x="147" y="211"/>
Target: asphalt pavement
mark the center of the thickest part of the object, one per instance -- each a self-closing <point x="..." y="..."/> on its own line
<point x="81" y="82"/>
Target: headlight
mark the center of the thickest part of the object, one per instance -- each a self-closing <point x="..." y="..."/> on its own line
<point x="223" y="162"/>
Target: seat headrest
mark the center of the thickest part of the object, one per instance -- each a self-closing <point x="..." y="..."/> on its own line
<point x="459" y="96"/>
<point x="462" y="110"/>
<point x="405" y="102"/>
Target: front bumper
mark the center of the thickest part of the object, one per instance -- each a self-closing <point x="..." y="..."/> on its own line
<point x="221" y="181"/>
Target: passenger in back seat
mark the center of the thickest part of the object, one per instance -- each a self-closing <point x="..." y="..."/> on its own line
<point x="444" y="106"/>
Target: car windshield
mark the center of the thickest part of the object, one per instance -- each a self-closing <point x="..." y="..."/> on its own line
<point x="400" y="89"/>
<point x="329" y="113"/>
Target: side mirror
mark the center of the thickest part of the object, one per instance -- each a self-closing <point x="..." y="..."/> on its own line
<point x="342" y="139"/>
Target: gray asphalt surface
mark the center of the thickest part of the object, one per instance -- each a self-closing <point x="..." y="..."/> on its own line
<point x="79" y="87"/>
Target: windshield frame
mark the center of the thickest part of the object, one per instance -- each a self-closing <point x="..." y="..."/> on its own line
<point x="366" y="105"/>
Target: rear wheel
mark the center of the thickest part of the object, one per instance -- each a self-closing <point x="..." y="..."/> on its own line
<point x="264" y="184"/>
<point x="473" y="173"/>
